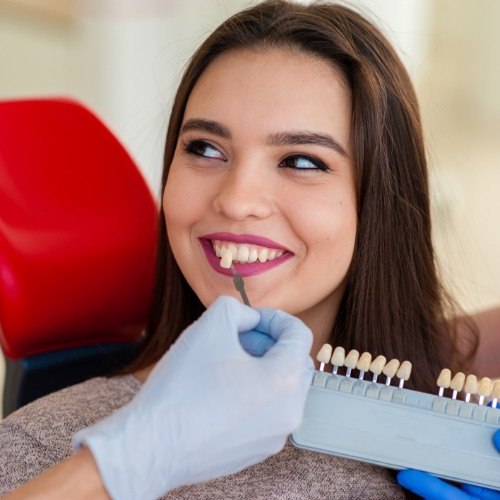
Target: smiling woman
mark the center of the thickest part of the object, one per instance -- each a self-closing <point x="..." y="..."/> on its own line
<point x="309" y="137"/>
<point x="253" y="165"/>
<point x="295" y="144"/>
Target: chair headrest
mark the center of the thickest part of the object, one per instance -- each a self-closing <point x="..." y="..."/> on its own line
<point x="78" y="231"/>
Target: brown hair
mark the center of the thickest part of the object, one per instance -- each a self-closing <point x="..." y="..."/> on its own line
<point x="393" y="302"/>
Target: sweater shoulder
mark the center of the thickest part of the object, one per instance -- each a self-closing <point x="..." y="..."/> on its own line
<point x="38" y="435"/>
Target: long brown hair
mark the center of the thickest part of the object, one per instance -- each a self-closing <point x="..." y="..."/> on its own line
<point x="393" y="302"/>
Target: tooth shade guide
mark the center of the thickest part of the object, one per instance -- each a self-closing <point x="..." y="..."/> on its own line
<point x="495" y="393"/>
<point x="399" y="428"/>
<point x="484" y="389"/>
<point x="470" y="387"/>
<point x="403" y="373"/>
<point x="324" y="355"/>
<point x="351" y="361"/>
<point x="376" y="366"/>
<point x="390" y="370"/>
<point x="338" y="358"/>
<point x="444" y="380"/>
<point x="226" y="258"/>
<point x="363" y="364"/>
<point x="457" y="384"/>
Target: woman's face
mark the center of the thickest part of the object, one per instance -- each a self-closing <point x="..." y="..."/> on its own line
<point x="263" y="164"/>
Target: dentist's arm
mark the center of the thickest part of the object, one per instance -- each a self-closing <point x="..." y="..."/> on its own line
<point x="76" y="477"/>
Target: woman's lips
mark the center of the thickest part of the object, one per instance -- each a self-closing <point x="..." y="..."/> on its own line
<point x="242" y="269"/>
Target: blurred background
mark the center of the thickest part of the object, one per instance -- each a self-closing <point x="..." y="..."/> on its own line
<point x="124" y="58"/>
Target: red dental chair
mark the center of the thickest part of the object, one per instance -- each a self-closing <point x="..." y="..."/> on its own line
<point x="78" y="231"/>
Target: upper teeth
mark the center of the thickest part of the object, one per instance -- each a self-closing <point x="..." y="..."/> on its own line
<point x="245" y="253"/>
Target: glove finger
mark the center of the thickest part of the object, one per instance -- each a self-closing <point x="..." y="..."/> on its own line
<point x="483" y="493"/>
<point x="216" y="330"/>
<point x="289" y="332"/>
<point x="225" y="318"/>
<point x="428" y="486"/>
<point x="256" y="343"/>
<point x="231" y="311"/>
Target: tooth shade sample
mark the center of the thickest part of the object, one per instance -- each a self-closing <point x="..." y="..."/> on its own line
<point x="485" y="386"/>
<point x="227" y="258"/>
<point x="470" y="386"/>
<point x="351" y="359"/>
<point x="364" y="361"/>
<point x="496" y="389"/>
<point x="484" y="389"/>
<point x="457" y="382"/>
<point x="495" y="393"/>
<point x="377" y="365"/>
<point x="338" y="356"/>
<point x="444" y="378"/>
<point x="404" y="371"/>
<point x="391" y="368"/>
<point x="324" y="353"/>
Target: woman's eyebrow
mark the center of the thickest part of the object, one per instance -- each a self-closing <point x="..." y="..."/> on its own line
<point x="276" y="139"/>
<point x="208" y="126"/>
<point x="299" y="138"/>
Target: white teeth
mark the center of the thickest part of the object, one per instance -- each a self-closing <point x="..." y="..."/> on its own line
<point x="233" y="249"/>
<point x="263" y="255"/>
<point x="243" y="253"/>
<point x="253" y="255"/>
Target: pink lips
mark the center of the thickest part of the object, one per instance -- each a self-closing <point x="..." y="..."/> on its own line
<point x="243" y="269"/>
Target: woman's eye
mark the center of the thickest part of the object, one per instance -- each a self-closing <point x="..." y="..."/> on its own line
<point x="303" y="162"/>
<point x="202" y="148"/>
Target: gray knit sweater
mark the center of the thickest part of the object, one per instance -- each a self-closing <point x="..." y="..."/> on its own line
<point x="38" y="436"/>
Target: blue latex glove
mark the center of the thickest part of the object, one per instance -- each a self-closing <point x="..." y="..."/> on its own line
<point x="208" y="408"/>
<point x="432" y="488"/>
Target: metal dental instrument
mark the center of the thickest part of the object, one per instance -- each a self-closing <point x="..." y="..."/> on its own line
<point x="240" y="286"/>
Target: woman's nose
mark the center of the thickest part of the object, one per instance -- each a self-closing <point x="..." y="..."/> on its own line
<point x="243" y="194"/>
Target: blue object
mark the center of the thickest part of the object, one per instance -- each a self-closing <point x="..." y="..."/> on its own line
<point x="432" y="488"/>
<point x="208" y="408"/>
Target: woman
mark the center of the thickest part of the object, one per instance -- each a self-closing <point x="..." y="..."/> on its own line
<point x="297" y="124"/>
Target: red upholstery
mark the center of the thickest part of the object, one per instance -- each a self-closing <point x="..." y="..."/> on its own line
<point x="78" y="230"/>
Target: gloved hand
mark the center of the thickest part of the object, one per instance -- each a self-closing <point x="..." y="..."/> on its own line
<point x="256" y="343"/>
<point x="208" y="408"/>
<point x="432" y="488"/>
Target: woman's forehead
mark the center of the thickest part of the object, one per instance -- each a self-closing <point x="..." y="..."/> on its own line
<point x="273" y="90"/>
